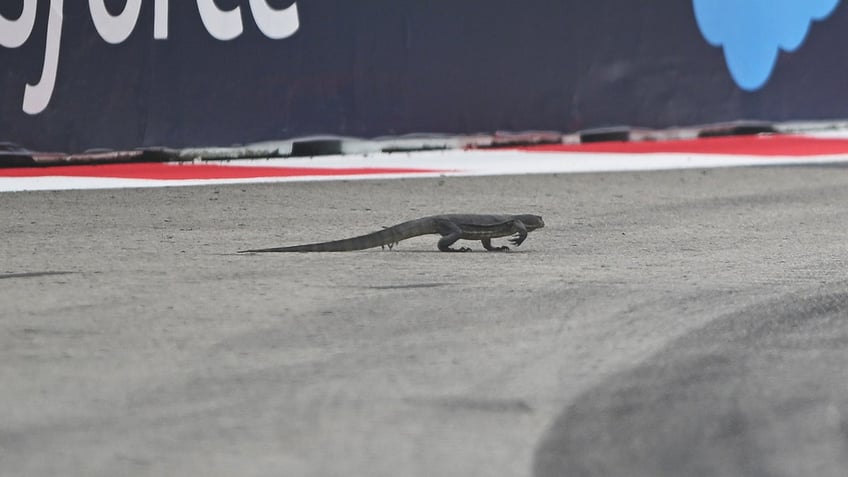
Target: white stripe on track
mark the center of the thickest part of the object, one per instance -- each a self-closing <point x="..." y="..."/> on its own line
<point x="460" y="163"/>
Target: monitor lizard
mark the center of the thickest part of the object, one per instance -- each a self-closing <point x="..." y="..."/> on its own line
<point x="451" y="227"/>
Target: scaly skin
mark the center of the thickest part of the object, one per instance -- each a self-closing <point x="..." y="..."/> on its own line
<point x="451" y="227"/>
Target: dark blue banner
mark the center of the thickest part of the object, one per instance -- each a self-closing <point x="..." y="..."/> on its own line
<point x="128" y="73"/>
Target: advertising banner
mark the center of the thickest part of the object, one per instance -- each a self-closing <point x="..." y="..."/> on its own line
<point x="78" y="75"/>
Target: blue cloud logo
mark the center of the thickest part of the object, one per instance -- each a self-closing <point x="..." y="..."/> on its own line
<point x="752" y="32"/>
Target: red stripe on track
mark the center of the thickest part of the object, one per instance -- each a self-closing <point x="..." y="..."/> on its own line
<point x="165" y="171"/>
<point x="766" y="145"/>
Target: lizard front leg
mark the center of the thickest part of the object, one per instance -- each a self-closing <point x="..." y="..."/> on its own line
<point x="521" y="230"/>
<point x="487" y="244"/>
<point x="450" y="233"/>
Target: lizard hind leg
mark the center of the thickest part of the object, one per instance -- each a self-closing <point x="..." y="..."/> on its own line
<point x="487" y="244"/>
<point x="450" y="233"/>
<point x="446" y="242"/>
<point x="390" y="245"/>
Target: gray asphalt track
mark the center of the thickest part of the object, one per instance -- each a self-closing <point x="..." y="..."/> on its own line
<point x="664" y="323"/>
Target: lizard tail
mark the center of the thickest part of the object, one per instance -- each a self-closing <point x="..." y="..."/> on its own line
<point x="387" y="236"/>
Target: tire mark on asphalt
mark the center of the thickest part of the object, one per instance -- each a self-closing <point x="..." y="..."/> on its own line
<point x="760" y="392"/>
<point x="5" y="276"/>
<point x="461" y="403"/>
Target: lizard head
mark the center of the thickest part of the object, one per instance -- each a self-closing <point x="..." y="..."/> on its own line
<point x="532" y="222"/>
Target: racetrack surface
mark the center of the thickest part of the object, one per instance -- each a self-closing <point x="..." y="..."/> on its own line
<point x="687" y="322"/>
